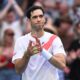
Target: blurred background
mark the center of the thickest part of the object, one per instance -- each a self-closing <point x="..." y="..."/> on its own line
<point x="62" y="19"/>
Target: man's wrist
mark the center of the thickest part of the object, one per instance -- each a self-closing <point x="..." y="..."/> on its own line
<point x="26" y="55"/>
<point x="46" y="54"/>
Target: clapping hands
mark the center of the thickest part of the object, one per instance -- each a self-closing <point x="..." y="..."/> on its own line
<point x="34" y="48"/>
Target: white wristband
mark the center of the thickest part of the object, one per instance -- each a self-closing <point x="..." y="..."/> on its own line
<point x="46" y="54"/>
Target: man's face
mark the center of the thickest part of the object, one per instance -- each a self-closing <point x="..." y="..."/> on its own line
<point x="10" y="17"/>
<point x="64" y="28"/>
<point x="37" y="19"/>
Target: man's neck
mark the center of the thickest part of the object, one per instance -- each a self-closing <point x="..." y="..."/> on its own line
<point x="37" y="33"/>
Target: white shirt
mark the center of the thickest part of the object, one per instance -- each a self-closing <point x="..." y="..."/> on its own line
<point x="38" y="67"/>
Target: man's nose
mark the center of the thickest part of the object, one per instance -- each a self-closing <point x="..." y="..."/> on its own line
<point x="38" y="18"/>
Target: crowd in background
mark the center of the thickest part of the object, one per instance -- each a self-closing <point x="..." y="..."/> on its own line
<point x="62" y="19"/>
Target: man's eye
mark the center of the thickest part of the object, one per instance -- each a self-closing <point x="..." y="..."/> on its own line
<point x="40" y="16"/>
<point x="35" y="16"/>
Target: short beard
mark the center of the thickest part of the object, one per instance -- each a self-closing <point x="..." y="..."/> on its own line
<point x="37" y="28"/>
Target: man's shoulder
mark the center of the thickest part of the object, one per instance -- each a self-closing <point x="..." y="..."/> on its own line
<point x="51" y="35"/>
<point x="55" y="37"/>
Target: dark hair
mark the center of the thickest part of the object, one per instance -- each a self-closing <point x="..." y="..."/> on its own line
<point x="10" y="10"/>
<point x="31" y="9"/>
<point x="60" y="20"/>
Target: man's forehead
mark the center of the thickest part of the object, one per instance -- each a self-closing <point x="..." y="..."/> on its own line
<point x="37" y="12"/>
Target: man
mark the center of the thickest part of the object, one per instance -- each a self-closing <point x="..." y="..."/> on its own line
<point x="31" y="58"/>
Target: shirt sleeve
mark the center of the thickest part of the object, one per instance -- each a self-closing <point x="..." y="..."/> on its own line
<point x="18" y="50"/>
<point x="57" y="47"/>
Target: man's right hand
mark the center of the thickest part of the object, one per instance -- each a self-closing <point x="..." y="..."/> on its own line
<point x="34" y="49"/>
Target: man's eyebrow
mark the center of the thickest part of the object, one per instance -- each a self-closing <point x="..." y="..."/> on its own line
<point x="41" y="15"/>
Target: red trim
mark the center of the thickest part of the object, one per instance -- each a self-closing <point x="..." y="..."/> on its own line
<point x="48" y="44"/>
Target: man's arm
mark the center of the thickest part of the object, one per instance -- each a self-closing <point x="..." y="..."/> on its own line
<point x="58" y="56"/>
<point x="58" y="61"/>
<point x="21" y="63"/>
